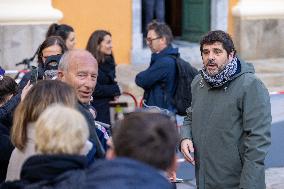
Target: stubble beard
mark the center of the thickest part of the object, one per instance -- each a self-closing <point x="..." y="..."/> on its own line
<point x="214" y="72"/>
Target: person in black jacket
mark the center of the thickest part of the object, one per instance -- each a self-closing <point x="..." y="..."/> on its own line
<point x="10" y="97"/>
<point x="140" y="154"/>
<point x="6" y="149"/>
<point x="142" y="151"/>
<point x="8" y="89"/>
<point x="61" y="135"/>
<point x="107" y="89"/>
<point x="53" y="45"/>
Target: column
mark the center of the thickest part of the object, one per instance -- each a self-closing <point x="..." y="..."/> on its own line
<point x="23" y="25"/>
<point x="258" y="28"/>
<point x="219" y="15"/>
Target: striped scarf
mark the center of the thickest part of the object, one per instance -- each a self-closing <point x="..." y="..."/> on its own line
<point x="224" y="76"/>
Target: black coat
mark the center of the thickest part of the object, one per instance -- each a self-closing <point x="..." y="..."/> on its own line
<point x="96" y="136"/>
<point x="43" y="171"/>
<point x="106" y="89"/>
<point x="6" y="149"/>
<point x="7" y="110"/>
<point x="27" y="77"/>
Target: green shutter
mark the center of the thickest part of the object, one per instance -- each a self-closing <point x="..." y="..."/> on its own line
<point x="196" y="19"/>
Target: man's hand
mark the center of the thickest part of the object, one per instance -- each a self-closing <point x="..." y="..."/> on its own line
<point x="187" y="147"/>
<point x="172" y="175"/>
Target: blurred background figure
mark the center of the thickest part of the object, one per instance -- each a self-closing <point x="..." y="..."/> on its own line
<point x="8" y="88"/>
<point x="152" y="9"/>
<point x="60" y="136"/>
<point x="141" y="152"/>
<point x="44" y="93"/>
<point x="107" y="89"/>
<point x="65" y="31"/>
<point x="6" y="149"/>
<point x="53" y="45"/>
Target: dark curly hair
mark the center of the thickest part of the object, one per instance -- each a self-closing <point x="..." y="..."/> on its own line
<point x="218" y="36"/>
<point x="8" y="86"/>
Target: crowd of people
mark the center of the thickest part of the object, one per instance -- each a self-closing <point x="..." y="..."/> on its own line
<point x="50" y="132"/>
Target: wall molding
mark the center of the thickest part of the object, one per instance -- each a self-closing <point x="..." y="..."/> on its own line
<point x="22" y="12"/>
<point x="259" y="9"/>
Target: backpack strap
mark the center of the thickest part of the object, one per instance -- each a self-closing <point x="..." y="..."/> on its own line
<point x="163" y="85"/>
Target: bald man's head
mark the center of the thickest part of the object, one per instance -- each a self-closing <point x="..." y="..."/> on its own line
<point x="79" y="69"/>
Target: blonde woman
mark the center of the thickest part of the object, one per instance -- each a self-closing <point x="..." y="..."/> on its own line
<point x="44" y="93"/>
<point x="60" y="136"/>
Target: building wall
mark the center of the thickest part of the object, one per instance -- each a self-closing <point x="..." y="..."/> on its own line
<point x="232" y="3"/>
<point x="258" y="28"/>
<point x="90" y="15"/>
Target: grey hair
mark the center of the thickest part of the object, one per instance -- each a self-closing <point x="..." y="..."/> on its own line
<point x="63" y="63"/>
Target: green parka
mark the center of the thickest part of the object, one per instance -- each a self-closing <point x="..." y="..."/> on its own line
<point x="230" y="130"/>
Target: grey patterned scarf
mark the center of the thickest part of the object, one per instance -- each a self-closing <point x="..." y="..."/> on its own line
<point x="224" y="76"/>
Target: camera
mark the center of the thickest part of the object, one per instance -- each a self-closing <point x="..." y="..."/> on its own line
<point x="34" y="75"/>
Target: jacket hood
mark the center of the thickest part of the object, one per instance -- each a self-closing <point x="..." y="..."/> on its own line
<point x="49" y="167"/>
<point x="245" y="68"/>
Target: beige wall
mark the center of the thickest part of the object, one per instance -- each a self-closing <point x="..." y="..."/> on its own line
<point x="232" y="3"/>
<point x="112" y="15"/>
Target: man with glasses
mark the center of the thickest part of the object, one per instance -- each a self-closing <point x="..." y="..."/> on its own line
<point x="158" y="80"/>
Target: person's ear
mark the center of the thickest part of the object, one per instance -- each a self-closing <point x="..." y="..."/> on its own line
<point x="164" y="40"/>
<point x="60" y="75"/>
<point x="231" y="56"/>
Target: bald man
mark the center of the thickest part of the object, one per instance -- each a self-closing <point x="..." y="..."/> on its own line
<point x="79" y="69"/>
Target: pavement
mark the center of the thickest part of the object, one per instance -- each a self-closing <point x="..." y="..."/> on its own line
<point x="270" y="71"/>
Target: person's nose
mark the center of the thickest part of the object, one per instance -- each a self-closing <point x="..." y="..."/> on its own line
<point x="211" y="56"/>
<point x="90" y="82"/>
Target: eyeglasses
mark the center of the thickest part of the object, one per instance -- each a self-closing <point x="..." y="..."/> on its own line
<point x="149" y="40"/>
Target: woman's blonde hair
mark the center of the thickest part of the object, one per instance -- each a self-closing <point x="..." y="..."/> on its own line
<point x="41" y="95"/>
<point x="60" y="130"/>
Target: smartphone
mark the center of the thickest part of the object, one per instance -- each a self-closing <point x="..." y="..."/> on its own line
<point x="34" y="75"/>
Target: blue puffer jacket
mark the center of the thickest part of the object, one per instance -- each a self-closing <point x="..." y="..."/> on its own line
<point x="161" y="72"/>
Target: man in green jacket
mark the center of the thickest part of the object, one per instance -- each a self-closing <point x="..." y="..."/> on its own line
<point x="228" y="125"/>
